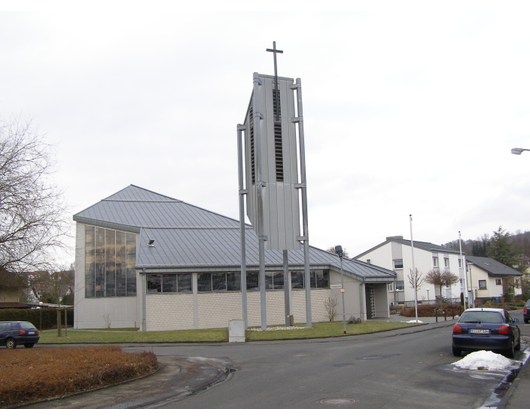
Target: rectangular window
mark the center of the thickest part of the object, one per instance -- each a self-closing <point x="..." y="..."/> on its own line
<point x="204" y="282"/>
<point x="398" y="263"/>
<point x="435" y="261"/>
<point x="390" y="287"/>
<point x="154" y="283"/>
<point x="482" y="284"/>
<point x="184" y="283"/>
<point x="169" y="283"/>
<point x="400" y="285"/>
<point x="233" y="281"/>
<point x="319" y="279"/>
<point x="446" y="262"/>
<point x="498" y="282"/>
<point x="219" y="281"/>
<point x="252" y="280"/>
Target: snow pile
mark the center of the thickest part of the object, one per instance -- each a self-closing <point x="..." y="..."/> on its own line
<point x="484" y="360"/>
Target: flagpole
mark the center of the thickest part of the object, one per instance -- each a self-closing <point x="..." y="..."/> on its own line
<point x="414" y="280"/>
<point x="464" y="268"/>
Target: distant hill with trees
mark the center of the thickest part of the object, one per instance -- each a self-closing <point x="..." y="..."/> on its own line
<point x="510" y="249"/>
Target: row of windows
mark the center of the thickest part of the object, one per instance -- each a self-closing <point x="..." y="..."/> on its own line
<point x="226" y="282"/>
<point x="398" y="263"/>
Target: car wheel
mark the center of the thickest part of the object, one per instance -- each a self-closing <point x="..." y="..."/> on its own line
<point x="29" y="345"/>
<point x="510" y="353"/>
<point x="456" y="351"/>
<point x="518" y="345"/>
<point x="10" y="343"/>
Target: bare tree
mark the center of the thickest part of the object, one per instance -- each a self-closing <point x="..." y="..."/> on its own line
<point x="416" y="278"/>
<point x="32" y="217"/>
<point x="441" y="279"/>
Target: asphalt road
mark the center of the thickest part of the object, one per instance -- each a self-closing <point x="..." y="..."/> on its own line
<point x="396" y="370"/>
<point x="409" y="369"/>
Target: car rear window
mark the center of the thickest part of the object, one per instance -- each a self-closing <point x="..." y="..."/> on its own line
<point x="482" y="317"/>
<point x="26" y="325"/>
<point x="4" y="326"/>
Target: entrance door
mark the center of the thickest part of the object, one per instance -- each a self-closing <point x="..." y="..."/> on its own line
<point x="370" y="302"/>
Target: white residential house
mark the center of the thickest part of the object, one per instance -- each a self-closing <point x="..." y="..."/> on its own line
<point x="488" y="278"/>
<point x="395" y="253"/>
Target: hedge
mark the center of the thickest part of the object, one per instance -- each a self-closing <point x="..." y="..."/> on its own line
<point x="43" y="319"/>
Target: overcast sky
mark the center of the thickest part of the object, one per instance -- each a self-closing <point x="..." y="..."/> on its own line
<point x="405" y="112"/>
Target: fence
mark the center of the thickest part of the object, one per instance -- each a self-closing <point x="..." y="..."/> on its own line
<point x="43" y="319"/>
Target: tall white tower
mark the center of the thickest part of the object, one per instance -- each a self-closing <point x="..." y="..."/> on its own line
<point x="271" y="162"/>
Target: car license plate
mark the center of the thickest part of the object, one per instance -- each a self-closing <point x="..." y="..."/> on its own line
<point x="475" y="331"/>
<point x="31" y="332"/>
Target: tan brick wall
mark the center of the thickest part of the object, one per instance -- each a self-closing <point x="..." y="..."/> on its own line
<point x="216" y="310"/>
<point x="169" y="312"/>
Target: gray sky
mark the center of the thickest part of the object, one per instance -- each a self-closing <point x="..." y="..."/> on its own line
<point x="405" y="112"/>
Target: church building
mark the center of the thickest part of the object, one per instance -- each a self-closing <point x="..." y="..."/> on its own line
<point x="144" y="260"/>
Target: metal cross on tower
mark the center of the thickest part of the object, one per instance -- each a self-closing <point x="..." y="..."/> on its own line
<point x="275" y="51"/>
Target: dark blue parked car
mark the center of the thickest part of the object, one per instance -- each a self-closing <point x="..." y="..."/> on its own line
<point x="486" y="329"/>
<point x="13" y="333"/>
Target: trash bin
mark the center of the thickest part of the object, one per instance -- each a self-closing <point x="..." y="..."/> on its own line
<point x="236" y="331"/>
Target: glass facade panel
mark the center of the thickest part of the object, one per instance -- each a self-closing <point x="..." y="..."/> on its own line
<point x="90" y="261"/>
<point x="110" y="258"/>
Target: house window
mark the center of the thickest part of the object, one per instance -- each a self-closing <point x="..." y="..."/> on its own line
<point x="498" y="282"/>
<point x="435" y="261"/>
<point x="482" y="284"/>
<point x="460" y="263"/>
<point x="390" y="287"/>
<point x="110" y="258"/>
<point x="446" y="262"/>
<point x="398" y="263"/>
<point x="400" y="286"/>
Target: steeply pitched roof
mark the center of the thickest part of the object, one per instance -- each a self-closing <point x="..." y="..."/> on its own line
<point x="134" y="208"/>
<point x="493" y="267"/>
<point x="188" y="236"/>
<point x="426" y="246"/>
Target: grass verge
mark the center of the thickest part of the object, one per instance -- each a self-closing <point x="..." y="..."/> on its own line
<point x="112" y="336"/>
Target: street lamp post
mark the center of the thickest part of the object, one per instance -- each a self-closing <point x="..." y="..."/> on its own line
<point x="518" y="150"/>
<point x="338" y="250"/>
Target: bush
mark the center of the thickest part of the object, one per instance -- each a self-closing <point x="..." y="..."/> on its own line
<point x="43" y="319"/>
<point x="42" y="373"/>
<point x="428" y="310"/>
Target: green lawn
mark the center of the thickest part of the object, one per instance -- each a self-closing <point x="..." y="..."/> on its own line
<point x="319" y="330"/>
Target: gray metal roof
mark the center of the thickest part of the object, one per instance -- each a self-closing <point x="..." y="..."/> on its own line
<point x="493" y="267"/>
<point x="187" y="236"/>
<point x="426" y="246"/>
